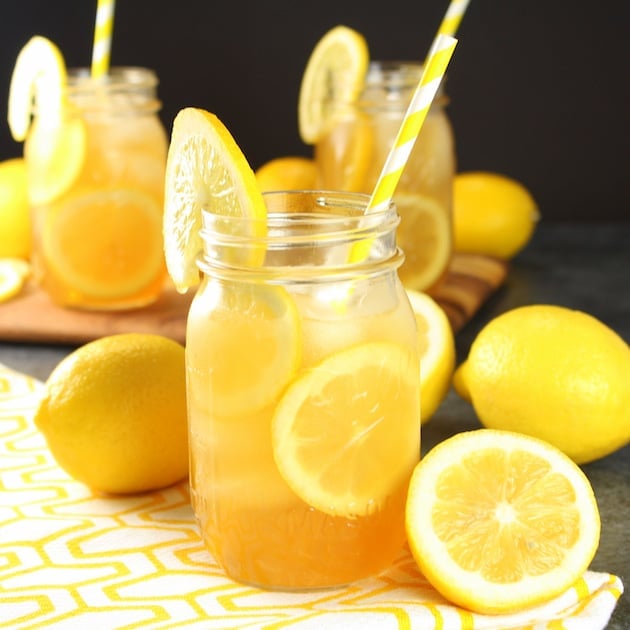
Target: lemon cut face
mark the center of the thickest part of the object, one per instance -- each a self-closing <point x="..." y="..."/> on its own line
<point x="206" y="169"/>
<point x="340" y="433"/>
<point x="499" y="521"/>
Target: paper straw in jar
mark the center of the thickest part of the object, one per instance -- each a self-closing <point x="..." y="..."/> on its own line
<point x="102" y="37"/>
<point x="432" y="75"/>
<point x="433" y="72"/>
<point x="452" y="17"/>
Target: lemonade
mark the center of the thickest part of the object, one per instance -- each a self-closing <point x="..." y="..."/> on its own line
<point x="303" y="393"/>
<point x="351" y="152"/>
<point x="97" y="239"/>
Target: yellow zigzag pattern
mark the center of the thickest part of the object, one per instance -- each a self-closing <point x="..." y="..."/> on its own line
<point x="71" y="559"/>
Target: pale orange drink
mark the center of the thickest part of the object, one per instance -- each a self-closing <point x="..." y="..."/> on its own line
<point x="353" y="147"/>
<point x="303" y="392"/>
<point x="97" y="204"/>
<point x="95" y="153"/>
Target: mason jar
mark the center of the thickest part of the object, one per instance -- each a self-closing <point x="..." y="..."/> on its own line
<point x="303" y="392"/>
<point x="96" y="178"/>
<point x="353" y="149"/>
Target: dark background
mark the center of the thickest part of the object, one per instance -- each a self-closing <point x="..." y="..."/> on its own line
<point x="539" y="89"/>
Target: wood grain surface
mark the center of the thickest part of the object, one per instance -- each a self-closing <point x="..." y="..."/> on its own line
<point x="32" y="317"/>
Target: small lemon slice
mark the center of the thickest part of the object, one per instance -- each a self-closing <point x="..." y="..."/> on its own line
<point x="55" y="153"/>
<point x="340" y="433"/>
<point x="106" y="244"/>
<point x="424" y="235"/>
<point x="499" y="521"/>
<point x="13" y="275"/>
<point x="205" y="169"/>
<point x="337" y="66"/>
<point x="437" y="352"/>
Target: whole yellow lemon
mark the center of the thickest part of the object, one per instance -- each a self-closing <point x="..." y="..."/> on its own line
<point x="15" y="222"/>
<point x="492" y="214"/>
<point x="114" y="413"/>
<point x="287" y="173"/>
<point x="553" y="373"/>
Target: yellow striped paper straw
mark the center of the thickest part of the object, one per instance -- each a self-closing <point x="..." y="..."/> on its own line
<point x="102" y="37"/>
<point x="452" y="17"/>
<point x="432" y="75"/>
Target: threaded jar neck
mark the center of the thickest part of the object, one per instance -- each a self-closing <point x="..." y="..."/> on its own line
<point x="306" y="236"/>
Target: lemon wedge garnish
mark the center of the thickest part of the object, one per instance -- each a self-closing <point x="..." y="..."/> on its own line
<point x="205" y="168"/>
<point x="335" y="69"/>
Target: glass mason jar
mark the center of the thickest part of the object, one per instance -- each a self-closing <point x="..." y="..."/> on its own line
<point x="303" y="392"/>
<point x="96" y="178"/>
<point x="352" y="152"/>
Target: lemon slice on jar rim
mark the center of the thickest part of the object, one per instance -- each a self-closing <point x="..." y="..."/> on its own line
<point x="340" y="58"/>
<point x="205" y="168"/>
<point x="56" y="153"/>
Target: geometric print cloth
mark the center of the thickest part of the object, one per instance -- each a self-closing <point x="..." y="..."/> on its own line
<point x="72" y="559"/>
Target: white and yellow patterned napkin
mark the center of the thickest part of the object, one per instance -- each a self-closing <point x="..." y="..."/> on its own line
<point x="70" y="559"/>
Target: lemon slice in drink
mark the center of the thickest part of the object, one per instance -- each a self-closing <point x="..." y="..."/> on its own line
<point x="340" y="433"/>
<point x="337" y="65"/>
<point x="56" y="152"/>
<point x="205" y="169"/>
<point x="250" y="334"/>
<point x="499" y="521"/>
<point x="437" y="352"/>
<point x="424" y="235"/>
<point x="105" y="244"/>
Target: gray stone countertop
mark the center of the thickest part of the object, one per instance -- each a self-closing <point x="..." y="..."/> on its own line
<point x="581" y="266"/>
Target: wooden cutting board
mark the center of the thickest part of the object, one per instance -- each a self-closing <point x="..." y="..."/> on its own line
<point x="32" y="317"/>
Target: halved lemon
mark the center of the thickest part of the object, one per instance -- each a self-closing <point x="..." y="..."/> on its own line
<point x="437" y="352"/>
<point x="251" y="336"/>
<point x="106" y="244"/>
<point x="205" y="169"/>
<point x="340" y="433"/>
<point x="13" y="275"/>
<point x="499" y="521"/>
<point x="424" y="235"/>
<point x="336" y="68"/>
<point x="55" y="149"/>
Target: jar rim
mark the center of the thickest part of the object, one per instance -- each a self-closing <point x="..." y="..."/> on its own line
<point x="118" y="76"/>
<point x="299" y="223"/>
